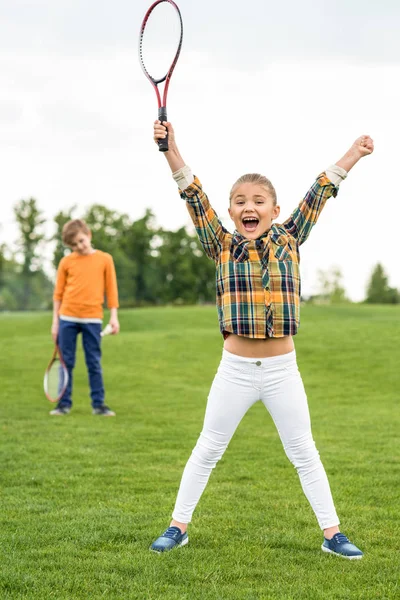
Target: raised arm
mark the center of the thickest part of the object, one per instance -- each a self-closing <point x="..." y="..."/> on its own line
<point x="208" y="227"/>
<point x="304" y="217"/>
<point x="173" y="156"/>
<point x="363" y="146"/>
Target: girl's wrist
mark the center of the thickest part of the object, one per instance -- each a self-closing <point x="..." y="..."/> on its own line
<point x="172" y="152"/>
<point x="349" y="159"/>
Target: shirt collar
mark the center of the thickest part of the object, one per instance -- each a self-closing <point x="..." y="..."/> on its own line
<point x="238" y="239"/>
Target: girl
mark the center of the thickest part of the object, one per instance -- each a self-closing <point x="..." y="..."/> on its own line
<point x="258" y="300"/>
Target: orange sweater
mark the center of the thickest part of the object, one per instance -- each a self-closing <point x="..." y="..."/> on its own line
<point x="82" y="282"/>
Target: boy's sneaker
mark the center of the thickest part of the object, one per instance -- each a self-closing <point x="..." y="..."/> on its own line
<point x="60" y="410"/>
<point x="170" y="539"/>
<point x="341" y="546"/>
<point x="104" y="411"/>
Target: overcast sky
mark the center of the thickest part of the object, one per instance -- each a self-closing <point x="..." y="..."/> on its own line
<point x="279" y="88"/>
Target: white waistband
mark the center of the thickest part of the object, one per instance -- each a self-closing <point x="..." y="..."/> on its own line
<point x="268" y="361"/>
<point x="78" y="320"/>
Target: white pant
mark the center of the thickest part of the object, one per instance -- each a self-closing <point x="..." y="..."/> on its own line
<point x="238" y="384"/>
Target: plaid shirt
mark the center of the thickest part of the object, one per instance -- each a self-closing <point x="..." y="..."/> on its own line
<point x="258" y="281"/>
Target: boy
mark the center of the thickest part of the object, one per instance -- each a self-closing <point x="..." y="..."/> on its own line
<point x="82" y="279"/>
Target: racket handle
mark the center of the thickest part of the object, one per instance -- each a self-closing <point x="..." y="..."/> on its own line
<point x="162" y="116"/>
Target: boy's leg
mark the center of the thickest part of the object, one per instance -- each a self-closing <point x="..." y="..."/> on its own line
<point x="285" y="399"/>
<point x="67" y="334"/>
<point x="91" y="341"/>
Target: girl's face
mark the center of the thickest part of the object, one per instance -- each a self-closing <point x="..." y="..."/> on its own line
<point x="82" y="243"/>
<point x="252" y="210"/>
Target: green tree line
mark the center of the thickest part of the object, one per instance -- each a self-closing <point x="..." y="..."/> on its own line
<point x="154" y="266"/>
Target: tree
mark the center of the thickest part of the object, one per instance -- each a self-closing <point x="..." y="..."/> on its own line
<point x="9" y="273"/>
<point x="30" y="221"/>
<point x="378" y="290"/>
<point x="330" y="288"/>
<point x="109" y="230"/>
<point x="60" y="219"/>
<point x="139" y="242"/>
<point x="153" y="265"/>
<point x="2" y="265"/>
<point x="12" y="286"/>
<point x="186" y="274"/>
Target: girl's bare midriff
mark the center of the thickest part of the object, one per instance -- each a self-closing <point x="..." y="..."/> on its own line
<point x="255" y="348"/>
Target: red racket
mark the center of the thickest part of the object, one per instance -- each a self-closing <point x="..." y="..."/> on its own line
<point x="160" y="43"/>
<point x="56" y="377"/>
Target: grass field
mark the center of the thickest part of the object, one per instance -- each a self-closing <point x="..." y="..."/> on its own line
<point x="82" y="497"/>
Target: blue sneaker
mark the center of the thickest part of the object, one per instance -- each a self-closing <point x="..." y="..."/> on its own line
<point x="170" y="539"/>
<point x="341" y="546"/>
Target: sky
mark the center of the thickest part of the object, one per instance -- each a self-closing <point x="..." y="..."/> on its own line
<point x="277" y="88"/>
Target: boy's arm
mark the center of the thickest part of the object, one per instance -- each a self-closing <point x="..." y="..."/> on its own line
<point x="208" y="227"/>
<point x="56" y="320"/>
<point x="304" y="217"/>
<point x="57" y="299"/>
<point x="114" y="320"/>
<point x="112" y="293"/>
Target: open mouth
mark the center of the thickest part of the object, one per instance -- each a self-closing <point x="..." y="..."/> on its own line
<point x="250" y="223"/>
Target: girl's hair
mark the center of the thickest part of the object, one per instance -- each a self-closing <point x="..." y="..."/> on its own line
<point x="71" y="228"/>
<point x="257" y="179"/>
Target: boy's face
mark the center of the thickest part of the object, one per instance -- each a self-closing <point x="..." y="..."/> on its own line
<point x="82" y="243"/>
<point x="252" y="210"/>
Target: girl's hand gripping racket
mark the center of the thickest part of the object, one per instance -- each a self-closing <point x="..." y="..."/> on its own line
<point x="160" y="42"/>
<point x="56" y="377"/>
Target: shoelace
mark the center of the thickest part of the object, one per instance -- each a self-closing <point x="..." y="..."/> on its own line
<point x="340" y="538"/>
<point x="171" y="532"/>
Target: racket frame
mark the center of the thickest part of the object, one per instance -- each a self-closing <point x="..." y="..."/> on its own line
<point x="54" y="358"/>
<point x="162" y="101"/>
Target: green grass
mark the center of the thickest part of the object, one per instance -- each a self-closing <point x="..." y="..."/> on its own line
<point x="82" y="497"/>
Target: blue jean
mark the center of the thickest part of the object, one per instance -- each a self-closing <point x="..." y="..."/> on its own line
<point x="91" y="342"/>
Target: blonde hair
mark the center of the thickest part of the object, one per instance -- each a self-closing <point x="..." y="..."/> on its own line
<point x="257" y="179"/>
<point x="71" y="228"/>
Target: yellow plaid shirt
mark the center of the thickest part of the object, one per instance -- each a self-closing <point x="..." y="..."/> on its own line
<point x="258" y="281"/>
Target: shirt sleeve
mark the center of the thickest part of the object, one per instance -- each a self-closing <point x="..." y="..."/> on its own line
<point x="209" y="228"/>
<point x="336" y="174"/>
<point x="111" y="283"/>
<point x="183" y="177"/>
<point x="304" y="217"/>
<point x="60" y="281"/>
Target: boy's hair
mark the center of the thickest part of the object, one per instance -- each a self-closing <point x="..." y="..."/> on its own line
<point x="257" y="179"/>
<point x="71" y="228"/>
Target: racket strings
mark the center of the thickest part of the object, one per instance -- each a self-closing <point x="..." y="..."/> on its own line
<point x="160" y="40"/>
<point x="56" y="380"/>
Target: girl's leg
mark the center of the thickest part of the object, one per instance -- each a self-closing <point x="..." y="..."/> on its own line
<point x="285" y="399"/>
<point x="67" y="334"/>
<point x="232" y="393"/>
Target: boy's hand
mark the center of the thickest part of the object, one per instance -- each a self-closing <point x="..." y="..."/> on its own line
<point x="54" y="331"/>
<point x="363" y="145"/>
<point x="115" y="325"/>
